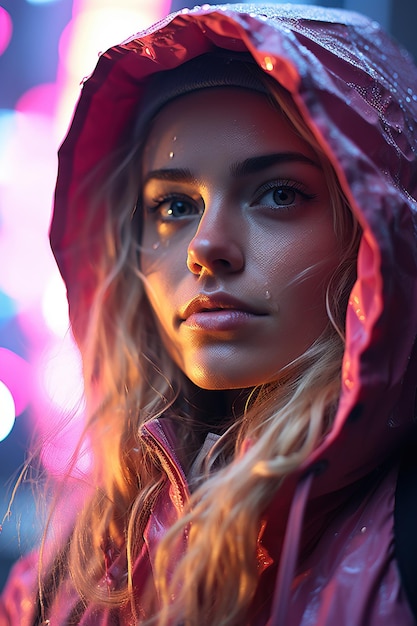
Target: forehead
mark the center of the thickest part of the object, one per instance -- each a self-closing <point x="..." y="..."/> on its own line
<point x="219" y="122"/>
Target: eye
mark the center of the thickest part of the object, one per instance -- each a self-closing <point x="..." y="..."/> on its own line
<point x="283" y="196"/>
<point x="278" y="194"/>
<point x="175" y="208"/>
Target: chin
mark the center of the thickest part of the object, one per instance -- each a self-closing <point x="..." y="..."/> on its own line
<point x="224" y="381"/>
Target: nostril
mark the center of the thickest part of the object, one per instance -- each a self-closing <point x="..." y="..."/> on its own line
<point x="195" y="268"/>
<point x="223" y="263"/>
<point x="214" y="256"/>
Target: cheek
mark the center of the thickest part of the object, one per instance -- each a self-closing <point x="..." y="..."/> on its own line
<point x="157" y="289"/>
<point x="160" y="288"/>
<point x="161" y="275"/>
<point x="301" y="263"/>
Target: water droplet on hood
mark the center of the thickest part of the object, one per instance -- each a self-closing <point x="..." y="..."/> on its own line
<point x="268" y="63"/>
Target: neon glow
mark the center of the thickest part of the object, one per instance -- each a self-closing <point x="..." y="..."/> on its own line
<point x="7" y="411"/>
<point x="61" y="377"/>
<point x="55" y="306"/>
<point x="6" y="29"/>
<point x="41" y="1"/>
<point x="93" y="29"/>
<point x="60" y="380"/>
<point x="32" y="294"/>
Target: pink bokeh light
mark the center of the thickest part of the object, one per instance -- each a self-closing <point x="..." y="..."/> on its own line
<point x="28" y="160"/>
<point x="60" y="406"/>
<point x="60" y="457"/>
<point x="51" y="382"/>
<point x="61" y="378"/>
<point x="6" y="29"/>
<point x="41" y="99"/>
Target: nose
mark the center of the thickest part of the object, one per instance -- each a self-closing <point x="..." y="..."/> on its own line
<point x="217" y="246"/>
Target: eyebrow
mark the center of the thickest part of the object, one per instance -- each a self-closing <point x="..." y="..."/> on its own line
<point x="237" y="170"/>
<point x="259" y="163"/>
<point x="181" y="175"/>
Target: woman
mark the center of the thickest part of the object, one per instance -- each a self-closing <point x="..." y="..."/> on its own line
<point x="235" y="224"/>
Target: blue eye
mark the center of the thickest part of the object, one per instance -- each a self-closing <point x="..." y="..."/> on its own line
<point x="278" y="194"/>
<point x="175" y="208"/>
<point x="178" y="208"/>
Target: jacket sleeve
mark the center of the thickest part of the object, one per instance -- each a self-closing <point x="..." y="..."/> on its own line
<point x="17" y="601"/>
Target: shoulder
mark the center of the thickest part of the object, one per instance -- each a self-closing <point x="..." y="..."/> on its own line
<point x="353" y="574"/>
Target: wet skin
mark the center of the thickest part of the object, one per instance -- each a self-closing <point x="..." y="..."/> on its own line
<point x="238" y="241"/>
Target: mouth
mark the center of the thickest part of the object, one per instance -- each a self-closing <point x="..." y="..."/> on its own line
<point x="218" y="312"/>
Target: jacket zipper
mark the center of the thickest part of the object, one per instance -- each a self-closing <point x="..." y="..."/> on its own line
<point x="169" y="463"/>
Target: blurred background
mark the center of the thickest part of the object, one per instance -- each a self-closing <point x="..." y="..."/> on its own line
<point x="46" y="48"/>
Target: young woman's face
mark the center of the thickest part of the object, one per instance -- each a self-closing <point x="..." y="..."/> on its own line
<point x="238" y="239"/>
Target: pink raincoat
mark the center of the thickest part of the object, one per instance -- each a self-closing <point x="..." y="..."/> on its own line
<point x="327" y="552"/>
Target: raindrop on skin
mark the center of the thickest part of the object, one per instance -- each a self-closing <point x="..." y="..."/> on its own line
<point x="158" y="244"/>
<point x="171" y="154"/>
<point x="267" y="292"/>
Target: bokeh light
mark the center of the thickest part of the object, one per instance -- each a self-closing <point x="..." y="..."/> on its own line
<point x="60" y="457"/>
<point x="61" y="425"/>
<point x="55" y="305"/>
<point x="7" y="411"/>
<point x="16" y="374"/>
<point x="7" y="308"/>
<point x="6" y="29"/>
<point x="24" y="246"/>
<point x="7" y="128"/>
<point x="41" y="1"/>
<point x="61" y="376"/>
<point x="95" y="27"/>
<point x="41" y="100"/>
<point x="41" y="387"/>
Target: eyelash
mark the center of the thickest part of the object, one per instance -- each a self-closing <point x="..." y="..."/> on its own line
<point x="276" y="185"/>
<point x="285" y="185"/>
<point x="158" y="203"/>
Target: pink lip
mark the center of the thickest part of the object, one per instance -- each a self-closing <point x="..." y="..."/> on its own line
<point x="219" y="312"/>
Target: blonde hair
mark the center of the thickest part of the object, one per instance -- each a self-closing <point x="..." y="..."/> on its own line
<point x="129" y="379"/>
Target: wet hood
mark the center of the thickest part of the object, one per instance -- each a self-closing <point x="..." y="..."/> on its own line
<point x="361" y="104"/>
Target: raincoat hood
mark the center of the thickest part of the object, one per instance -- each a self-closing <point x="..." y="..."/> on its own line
<point x="361" y="105"/>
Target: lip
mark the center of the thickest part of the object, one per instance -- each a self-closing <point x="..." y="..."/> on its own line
<point x="218" y="312"/>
